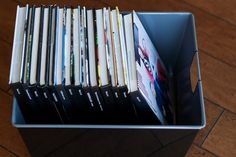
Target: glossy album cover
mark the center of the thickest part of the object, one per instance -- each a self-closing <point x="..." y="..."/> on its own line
<point x="151" y="72"/>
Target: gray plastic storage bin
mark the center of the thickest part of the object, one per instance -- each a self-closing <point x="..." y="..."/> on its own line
<point x="175" y="37"/>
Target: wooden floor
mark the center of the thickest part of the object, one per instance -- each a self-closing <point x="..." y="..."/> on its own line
<point x="216" y="35"/>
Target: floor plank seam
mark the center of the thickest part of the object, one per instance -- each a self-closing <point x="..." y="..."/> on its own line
<point x="11" y="152"/>
<point x="225" y="109"/>
<point x="218" y="17"/>
<point x="208" y="54"/>
<point x="207" y="150"/>
<point x="107" y="4"/>
<point x="5" y="91"/>
<point x="18" y="2"/>
<point x="212" y="127"/>
<point x="8" y="91"/>
<point x="6" y="41"/>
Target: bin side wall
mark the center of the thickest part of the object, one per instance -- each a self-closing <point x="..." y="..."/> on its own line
<point x="106" y="142"/>
<point x="166" y="32"/>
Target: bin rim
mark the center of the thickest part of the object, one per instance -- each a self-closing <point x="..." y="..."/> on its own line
<point x="130" y="126"/>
